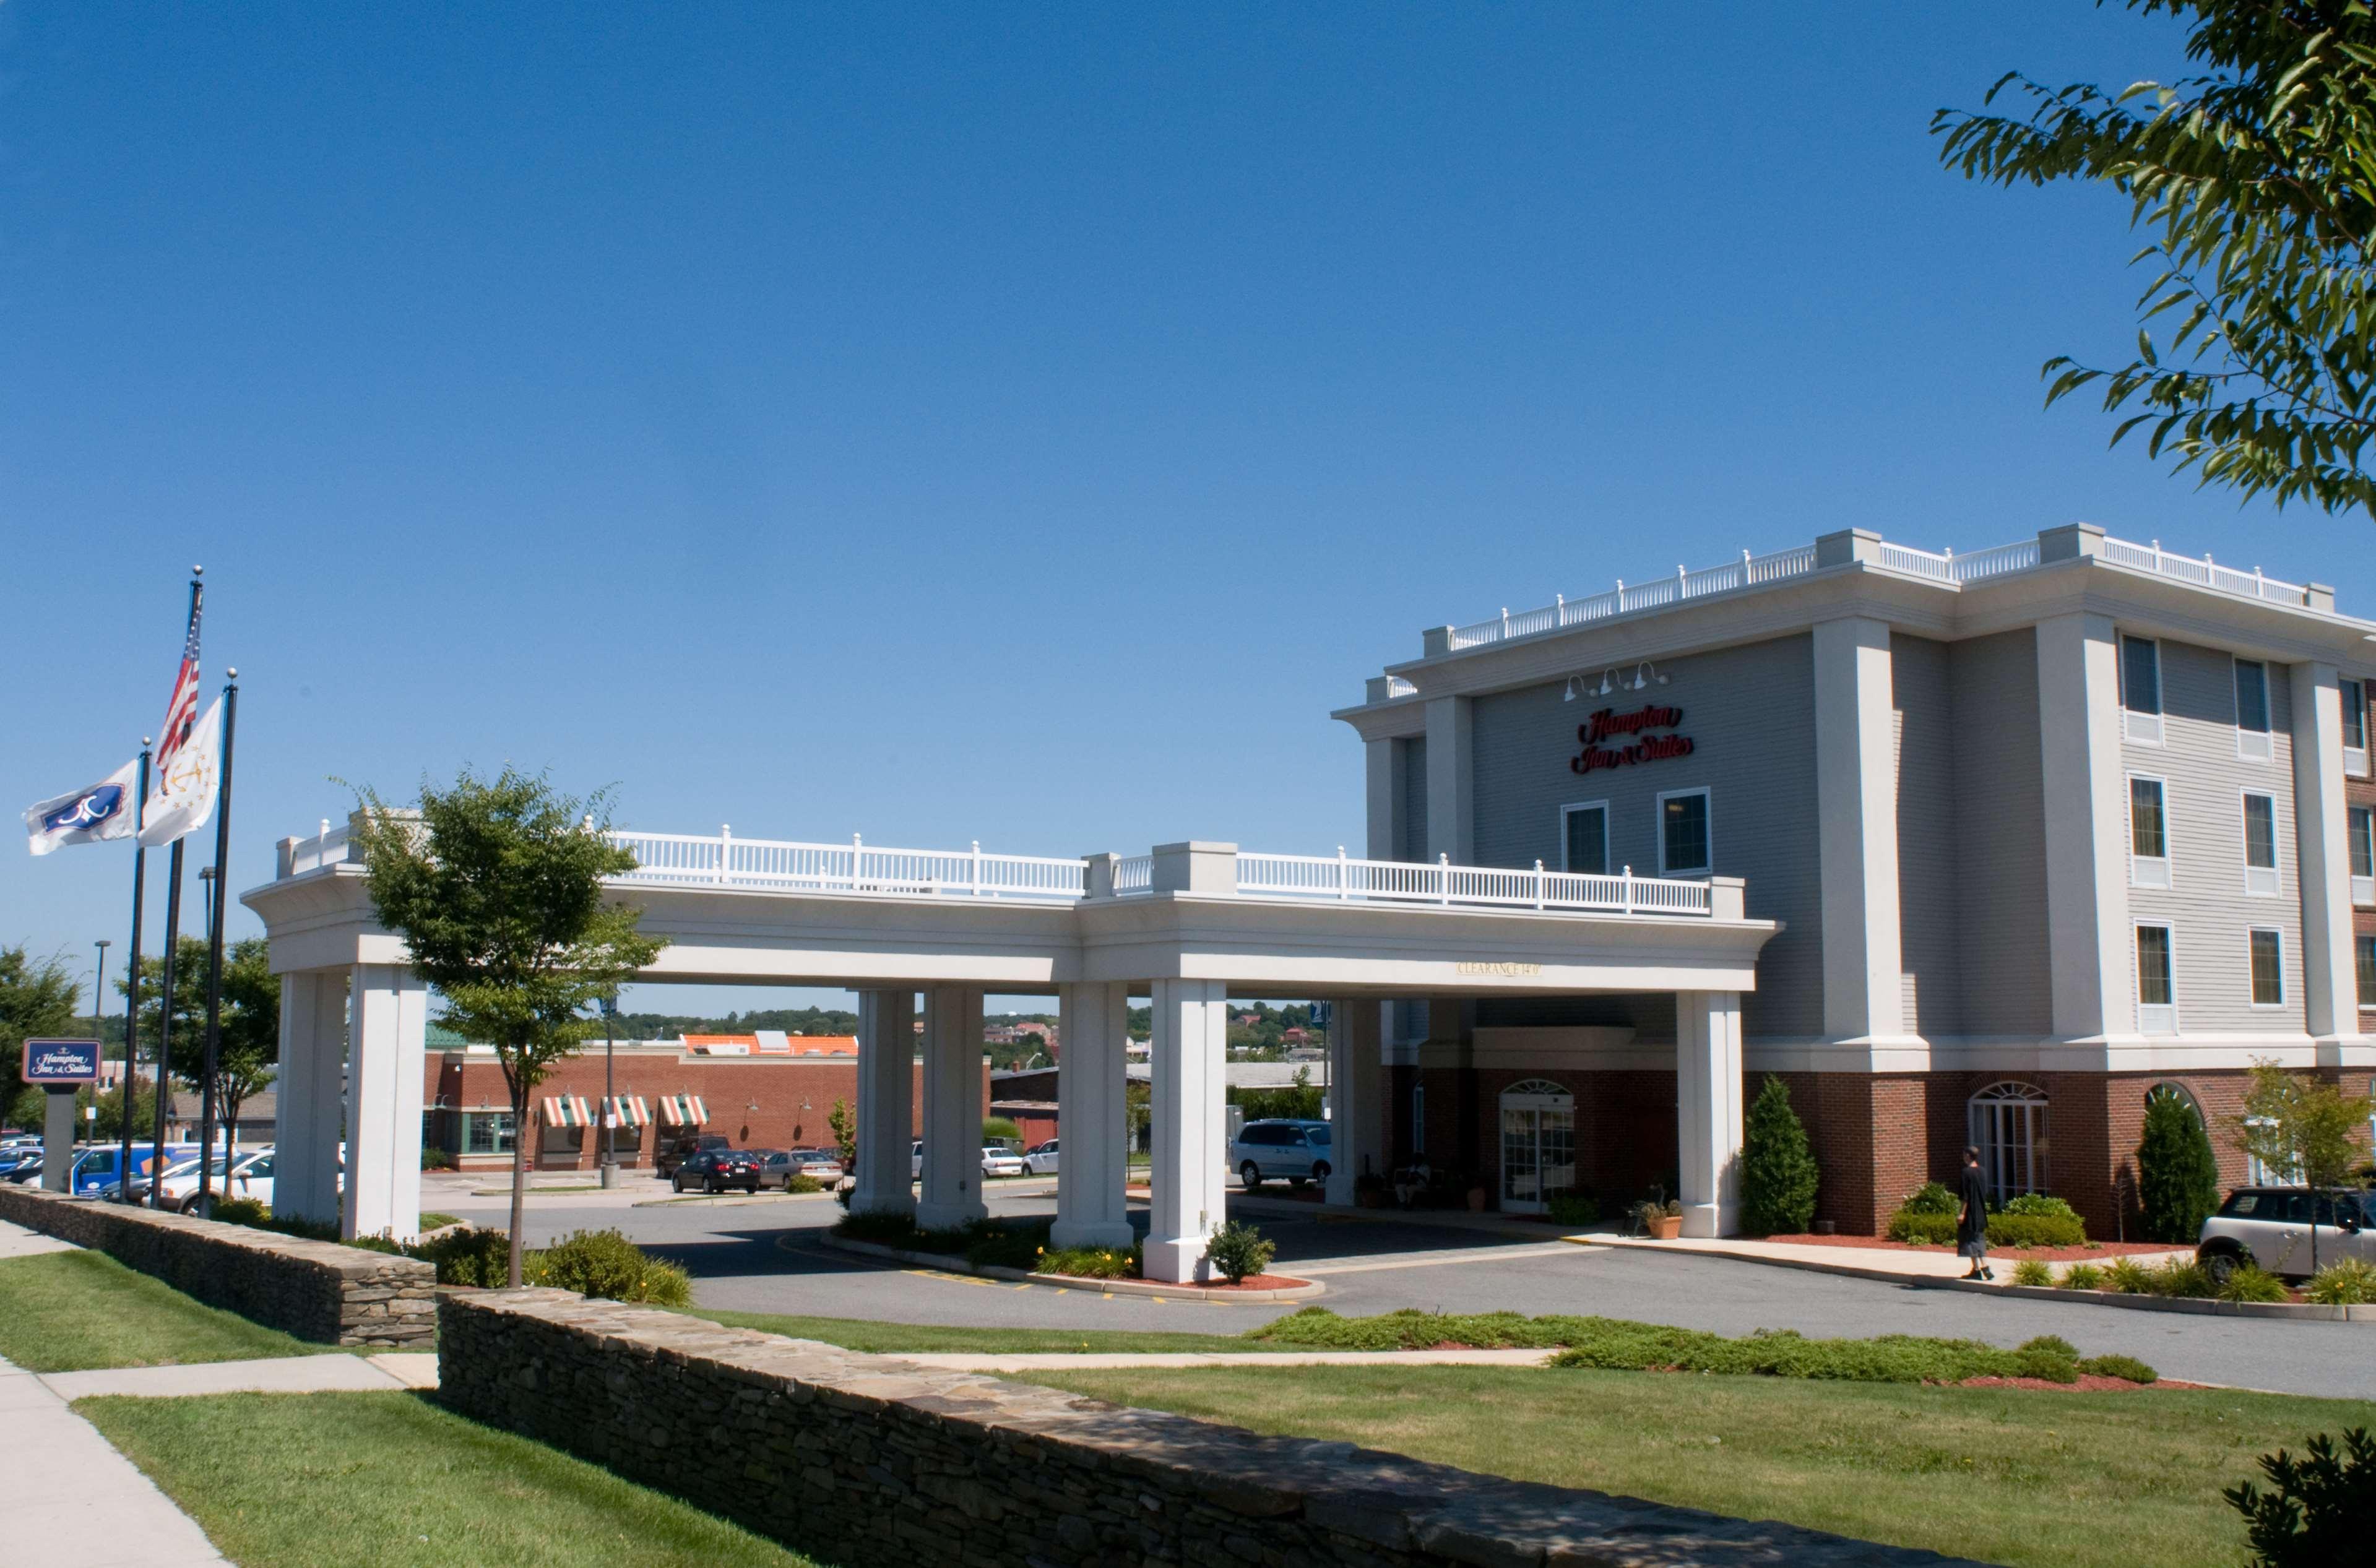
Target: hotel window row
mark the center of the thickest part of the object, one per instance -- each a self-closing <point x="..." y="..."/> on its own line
<point x="2149" y="856"/>
<point x="1686" y="847"/>
<point x="2264" y="967"/>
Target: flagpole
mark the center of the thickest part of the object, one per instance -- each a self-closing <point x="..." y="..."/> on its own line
<point x="214" y="956"/>
<point x="132" y="996"/>
<point x="165" y="1023"/>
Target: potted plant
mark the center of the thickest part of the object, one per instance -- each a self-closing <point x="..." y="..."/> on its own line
<point x="1368" y="1191"/>
<point x="1476" y="1185"/>
<point x="1657" y="1216"/>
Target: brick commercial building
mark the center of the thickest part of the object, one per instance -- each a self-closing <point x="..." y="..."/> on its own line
<point x="2049" y="828"/>
<point x="761" y="1091"/>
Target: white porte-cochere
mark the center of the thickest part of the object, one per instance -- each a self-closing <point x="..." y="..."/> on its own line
<point x="1187" y="926"/>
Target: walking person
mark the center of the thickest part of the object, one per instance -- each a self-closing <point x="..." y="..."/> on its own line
<point x="1972" y="1229"/>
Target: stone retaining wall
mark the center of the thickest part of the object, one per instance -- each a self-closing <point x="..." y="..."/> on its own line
<point x="873" y="1462"/>
<point x="317" y="1290"/>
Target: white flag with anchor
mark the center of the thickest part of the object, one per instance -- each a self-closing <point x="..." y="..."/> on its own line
<point x="89" y="815"/>
<point x="185" y="797"/>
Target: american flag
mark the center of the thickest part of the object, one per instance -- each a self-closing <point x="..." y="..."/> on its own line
<point x="182" y="711"/>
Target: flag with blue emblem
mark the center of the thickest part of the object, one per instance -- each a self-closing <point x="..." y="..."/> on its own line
<point x="88" y="815"/>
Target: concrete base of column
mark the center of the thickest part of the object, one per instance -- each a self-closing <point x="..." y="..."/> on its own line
<point x="1177" y="1262"/>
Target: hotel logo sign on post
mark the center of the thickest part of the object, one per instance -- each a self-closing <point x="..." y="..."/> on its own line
<point x="60" y="1062"/>
<point x="1611" y="739"/>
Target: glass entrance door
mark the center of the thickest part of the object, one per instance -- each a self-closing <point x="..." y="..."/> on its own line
<point x="1538" y="1145"/>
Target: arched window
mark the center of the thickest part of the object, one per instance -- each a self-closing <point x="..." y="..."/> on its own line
<point x="2008" y="1125"/>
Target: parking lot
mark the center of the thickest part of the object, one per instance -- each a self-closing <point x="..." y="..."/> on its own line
<point x="767" y="1256"/>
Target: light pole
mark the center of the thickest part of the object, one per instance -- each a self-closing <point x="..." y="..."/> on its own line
<point x="609" y="1090"/>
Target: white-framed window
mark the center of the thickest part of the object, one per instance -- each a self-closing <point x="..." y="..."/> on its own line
<point x="2156" y="981"/>
<point x="2008" y="1127"/>
<point x="2359" y="835"/>
<point x="2148" y="832"/>
<point x="2259" y="821"/>
<point x="2364" y="951"/>
<point x="2267" y="947"/>
<point x="1583" y="837"/>
<point x="1686" y="839"/>
<point x="2355" y="728"/>
<point x="2252" y="710"/>
<point x="2141" y="690"/>
<point x="2258" y="1172"/>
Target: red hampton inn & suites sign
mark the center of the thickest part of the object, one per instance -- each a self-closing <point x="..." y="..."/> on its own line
<point x="1611" y="739"/>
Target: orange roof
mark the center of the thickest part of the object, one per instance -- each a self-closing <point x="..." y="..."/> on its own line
<point x="757" y="1045"/>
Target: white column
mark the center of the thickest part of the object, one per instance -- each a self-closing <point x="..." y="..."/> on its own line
<point x="388" y="1022"/>
<point x="1093" y="1160"/>
<point x="309" y="1094"/>
<point x="2330" y="989"/>
<point x="1383" y="790"/>
<point x="1709" y="1110"/>
<point x="2085" y="792"/>
<point x="886" y="1115"/>
<point x="1188" y="1050"/>
<point x="1856" y="825"/>
<point x="1451" y="773"/>
<point x="1356" y="1083"/>
<point x="952" y="1185"/>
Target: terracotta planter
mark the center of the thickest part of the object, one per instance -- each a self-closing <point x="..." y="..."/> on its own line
<point x="1476" y="1200"/>
<point x="1666" y="1228"/>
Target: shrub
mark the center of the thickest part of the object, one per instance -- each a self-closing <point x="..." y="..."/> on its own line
<point x="2038" y="1206"/>
<point x="2033" y="1229"/>
<point x="1001" y="1130"/>
<point x="1575" y="1208"/>
<point x="2346" y="1282"/>
<point x="2182" y="1276"/>
<point x="1932" y="1198"/>
<point x="2082" y="1277"/>
<point x="250" y="1211"/>
<point x="887" y="1228"/>
<point x="2126" y="1276"/>
<point x="2051" y="1344"/>
<point x="2033" y="1271"/>
<point x="1921" y="1227"/>
<point x="1091" y="1263"/>
<point x="605" y="1264"/>
<point x="2125" y="1367"/>
<point x="2178" y="1174"/>
<point x="799" y="1182"/>
<point x="2047" y="1366"/>
<point x="1778" y="1170"/>
<point x="2249" y="1282"/>
<point x="1238" y="1251"/>
<point x="434" y="1220"/>
<point x="2323" y="1508"/>
<point x="993" y="1243"/>
<point x="436" y="1160"/>
<point x="467" y="1255"/>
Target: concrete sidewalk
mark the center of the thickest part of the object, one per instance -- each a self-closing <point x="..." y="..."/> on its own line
<point x="1864" y="1263"/>
<point x="72" y="1498"/>
<point x="279" y="1374"/>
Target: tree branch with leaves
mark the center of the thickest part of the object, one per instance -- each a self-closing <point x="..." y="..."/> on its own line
<point x="2255" y="184"/>
<point x="496" y="886"/>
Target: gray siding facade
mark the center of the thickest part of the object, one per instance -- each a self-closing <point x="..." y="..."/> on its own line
<point x="2207" y="907"/>
<point x="1993" y="824"/>
<point x="1922" y="691"/>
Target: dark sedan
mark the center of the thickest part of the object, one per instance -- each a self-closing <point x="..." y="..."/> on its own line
<point x="715" y="1170"/>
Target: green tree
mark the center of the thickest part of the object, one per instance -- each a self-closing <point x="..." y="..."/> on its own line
<point x="1778" y="1175"/>
<point x="843" y="1120"/>
<point x="2177" y="1172"/>
<point x="248" y="1053"/>
<point x="2307" y="1129"/>
<point x="38" y="997"/>
<point x="2254" y="187"/>
<point x="496" y="887"/>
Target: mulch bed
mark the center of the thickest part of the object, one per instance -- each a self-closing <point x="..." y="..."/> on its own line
<point x="2089" y="1252"/>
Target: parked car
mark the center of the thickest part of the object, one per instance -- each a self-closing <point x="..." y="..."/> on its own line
<point x="1295" y="1151"/>
<point x="997" y="1161"/>
<point x="98" y="1166"/>
<point x="673" y="1153"/>
<point x="818" y="1164"/>
<point x="24" y="1172"/>
<point x="250" y="1177"/>
<point x="916" y="1160"/>
<point x="1042" y="1159"/>
<point x="2270" y="1225"/>
<point x="715" y="1170"/>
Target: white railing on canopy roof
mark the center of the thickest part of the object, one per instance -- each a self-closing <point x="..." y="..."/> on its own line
<point x="1344" y="880"/>
<point x="687" y="860"/>
<point x="2203" y="573"/>
<point x="1748" y="571"/>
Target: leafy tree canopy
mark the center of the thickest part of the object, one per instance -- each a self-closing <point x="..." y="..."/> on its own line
<point x="2255" y="183"/>
<point x="38" y="997"/>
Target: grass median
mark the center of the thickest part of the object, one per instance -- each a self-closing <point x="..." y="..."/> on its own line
<point x="2010" y="1476"/>
<point x="891" y="1338"/>
<point x="312" y="1480"/>
<point x="79" y="1310"/>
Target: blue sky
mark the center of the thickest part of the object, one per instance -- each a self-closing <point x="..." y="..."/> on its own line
<point x="966" y="423"/>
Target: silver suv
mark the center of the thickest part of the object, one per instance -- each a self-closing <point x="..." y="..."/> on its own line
<point x="1297" y="1151"/>
<point x="2270" y="1225"/>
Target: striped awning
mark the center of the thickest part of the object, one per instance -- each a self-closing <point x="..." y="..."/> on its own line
<point x="684" y="1110"/>
<point x="629" y="1111"/>
<point x="567" y="1110"/>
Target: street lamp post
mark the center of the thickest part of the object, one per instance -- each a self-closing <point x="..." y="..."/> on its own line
<point x="609" y="1090"/>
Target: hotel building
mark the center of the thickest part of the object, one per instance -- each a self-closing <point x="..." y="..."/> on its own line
<point x="2047" y="829"/>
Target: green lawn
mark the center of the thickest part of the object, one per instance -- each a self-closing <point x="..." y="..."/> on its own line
<point x="393" y="1479"/>
<point x="2068" y="1479"/>
<point x="73" y="1312"/>
<point x="889" y="1338"/>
